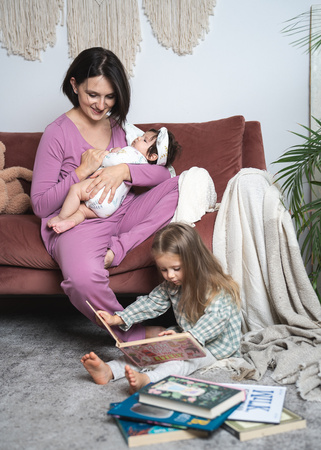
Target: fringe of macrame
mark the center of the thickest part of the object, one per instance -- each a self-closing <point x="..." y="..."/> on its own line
<point x="28" y="26"/>
<point x="179" y="24"/>
<point x="112" y="24"/>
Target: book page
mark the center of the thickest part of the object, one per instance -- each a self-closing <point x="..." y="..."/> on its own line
<point x="163" y="350"/>
<point x="262" y="404"/>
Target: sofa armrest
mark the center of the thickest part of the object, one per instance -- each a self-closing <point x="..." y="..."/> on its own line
<point x="253" y="149"/>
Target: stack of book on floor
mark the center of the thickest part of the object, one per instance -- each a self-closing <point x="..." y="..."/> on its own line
<point x="262" y="413"/>
<point x="175" y="408"/>
<point x="178" y="408"/>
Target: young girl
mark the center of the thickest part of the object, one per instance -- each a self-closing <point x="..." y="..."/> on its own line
<point x="205" y="302"/>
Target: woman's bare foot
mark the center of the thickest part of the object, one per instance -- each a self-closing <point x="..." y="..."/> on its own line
<point x="153" y="331"/>
<point x="109" y="258"/>
<point x="96" y="367"/>
<point x="135" y="379"/>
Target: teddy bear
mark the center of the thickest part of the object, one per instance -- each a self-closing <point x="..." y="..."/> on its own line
<point x="13" y="199"/>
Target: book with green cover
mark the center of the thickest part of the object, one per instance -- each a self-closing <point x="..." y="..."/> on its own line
<point x="190" y="395"/>
<point x="245" y="431"/>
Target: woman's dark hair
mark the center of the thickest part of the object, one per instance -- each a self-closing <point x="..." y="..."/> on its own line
<point x="174" y="148"/>
<point x="97" y="61"/>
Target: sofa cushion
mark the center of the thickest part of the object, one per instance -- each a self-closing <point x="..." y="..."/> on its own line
<point x="21" y="148"/>
<point x="215" y="146"/>
<point x="21" y="244"/>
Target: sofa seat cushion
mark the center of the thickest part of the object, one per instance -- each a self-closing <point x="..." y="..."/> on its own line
<point x="21" y="244"/>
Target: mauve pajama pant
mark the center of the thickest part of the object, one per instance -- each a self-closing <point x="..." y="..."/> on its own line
<point x="80" y="252"/>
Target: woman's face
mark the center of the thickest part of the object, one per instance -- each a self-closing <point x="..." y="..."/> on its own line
<point x="96" y="96"/>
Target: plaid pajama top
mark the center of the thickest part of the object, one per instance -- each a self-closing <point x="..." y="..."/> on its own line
<point x="218" y="329"/>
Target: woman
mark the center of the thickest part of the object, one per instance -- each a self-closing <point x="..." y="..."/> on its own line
<point x="71" y="149"/>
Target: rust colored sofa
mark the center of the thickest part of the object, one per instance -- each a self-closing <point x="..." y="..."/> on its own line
<point x="223" y="147"/>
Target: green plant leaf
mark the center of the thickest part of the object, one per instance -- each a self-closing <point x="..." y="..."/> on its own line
<point x="300" y="26"/>
<point x="303" y="163"/>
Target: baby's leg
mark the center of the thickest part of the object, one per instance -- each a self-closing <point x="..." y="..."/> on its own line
<point x="77" y="193"/>
<point x="100" y="372"/>
<point x="75" y="219"/>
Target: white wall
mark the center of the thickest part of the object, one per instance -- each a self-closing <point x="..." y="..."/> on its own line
<point x="244" y="66"/>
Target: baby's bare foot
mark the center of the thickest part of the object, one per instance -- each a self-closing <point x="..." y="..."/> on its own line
<point x="51" y="222"/>
<point x="63" y="225"/>
<point x="135" y="379"/>
<point x="100" y="371"/>
<point x="109" y="258"/>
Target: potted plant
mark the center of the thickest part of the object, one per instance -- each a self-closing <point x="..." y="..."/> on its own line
<point x="302" y="173"/>
<point x="303" y="167"/>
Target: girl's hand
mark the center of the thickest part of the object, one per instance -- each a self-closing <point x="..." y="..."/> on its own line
<point x="108" y="178"/>
<point x="91" y="159"/>
<point x="167" y="333"/>
<point x="110" y="319"/>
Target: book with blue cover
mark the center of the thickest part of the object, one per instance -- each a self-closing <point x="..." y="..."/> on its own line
<point x="132" y="409"/>
<point x="142" y="433"/>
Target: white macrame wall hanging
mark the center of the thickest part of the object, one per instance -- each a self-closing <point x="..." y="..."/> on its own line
<point x="112" y="24"/>
<point x="179" y="24"/>
<point x="28" y="26"/>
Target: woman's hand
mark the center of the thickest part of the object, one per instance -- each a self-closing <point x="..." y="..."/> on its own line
<point x="167" y="333"/>
<point x="90" y="161"/>
<point x="108" y="178"/>
<point x="111" y="320"/>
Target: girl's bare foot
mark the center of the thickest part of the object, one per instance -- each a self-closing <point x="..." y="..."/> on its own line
<point x="153" y="331"/>
<point x="109" y="258"/>
<point x="135" y="379"/>
<point x="100" y="371"/>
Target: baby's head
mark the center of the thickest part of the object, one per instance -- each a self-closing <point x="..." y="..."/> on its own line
<point x="158" y="146"/>
<point x="145" y="145"/>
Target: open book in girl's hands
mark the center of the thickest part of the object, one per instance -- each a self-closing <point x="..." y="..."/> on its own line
<point x="157" y="350"/>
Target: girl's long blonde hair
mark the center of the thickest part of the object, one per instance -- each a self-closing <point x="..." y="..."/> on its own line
<point x="203" y="274"/>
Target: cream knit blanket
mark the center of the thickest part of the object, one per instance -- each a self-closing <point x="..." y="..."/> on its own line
<point x="256" y="243"/>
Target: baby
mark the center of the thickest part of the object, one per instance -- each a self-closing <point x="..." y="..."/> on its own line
<point x="153" y="147"/>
